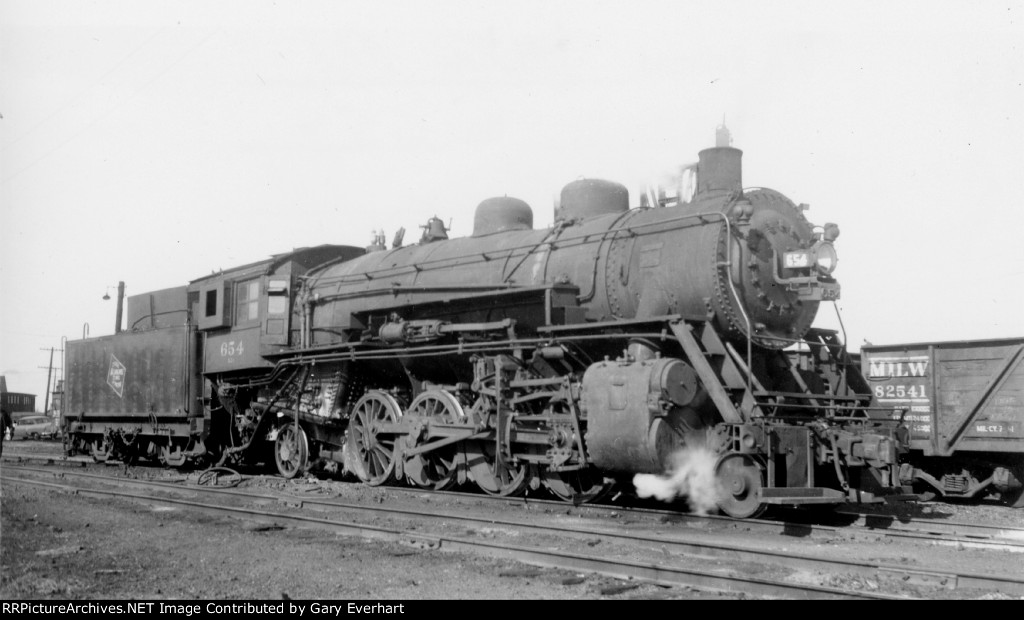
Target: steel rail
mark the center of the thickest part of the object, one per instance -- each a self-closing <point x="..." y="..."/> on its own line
<point x="684" y="546"/>
<point x="980" y="536"/>
<point x="931" y="527"/>
<point x="658" y="573"/>
<point x="950" y="533"/>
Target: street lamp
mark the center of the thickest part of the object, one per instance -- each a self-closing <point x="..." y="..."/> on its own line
<point x="120" y="304"/>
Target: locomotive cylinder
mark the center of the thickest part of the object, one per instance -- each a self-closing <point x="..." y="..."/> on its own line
<point x="640" y="413"/>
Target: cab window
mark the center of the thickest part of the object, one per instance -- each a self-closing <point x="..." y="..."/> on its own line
<point x="247" y="302"/>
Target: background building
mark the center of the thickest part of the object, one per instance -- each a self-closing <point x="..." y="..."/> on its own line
<point x="18" y="404"/>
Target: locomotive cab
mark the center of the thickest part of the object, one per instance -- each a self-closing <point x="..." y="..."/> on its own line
<point x="248" y="315"/>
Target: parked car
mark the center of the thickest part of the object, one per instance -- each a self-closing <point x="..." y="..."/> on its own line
<point x="35" y="427"/>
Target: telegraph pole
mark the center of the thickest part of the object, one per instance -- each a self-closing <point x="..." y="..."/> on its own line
<point x="120" y="306"/>
<point x="49" y="375"/>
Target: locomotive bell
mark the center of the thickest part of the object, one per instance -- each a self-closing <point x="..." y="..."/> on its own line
<point x="433" y="230"/>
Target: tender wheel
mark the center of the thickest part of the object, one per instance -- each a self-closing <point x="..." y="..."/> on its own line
<point x="373" y="452"/>
<point x="79" y="445"/>
<point x="291" y="451"/>
<point x="739" y="480"/>
<point x="1015" y="497"/>
<point x="578" y="487"/>
<point x="171" y="456"/>
<point x="99" y="451"/>
<point x="925" y="492"/>
<point x="438" y="468"/>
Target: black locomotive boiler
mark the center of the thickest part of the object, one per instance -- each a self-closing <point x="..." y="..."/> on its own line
<point x="515" y="359"/>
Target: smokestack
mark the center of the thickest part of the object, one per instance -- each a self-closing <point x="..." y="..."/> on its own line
<point x="719" y="170"/>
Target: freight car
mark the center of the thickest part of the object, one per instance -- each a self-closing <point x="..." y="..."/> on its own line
<point x="965" y="404"/>
<point x="515" y="359"/>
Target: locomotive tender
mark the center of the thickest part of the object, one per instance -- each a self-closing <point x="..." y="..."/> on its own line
<point x="514" y="359"/>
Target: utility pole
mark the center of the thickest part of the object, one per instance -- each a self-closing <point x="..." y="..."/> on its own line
<point x="49" y="375"/>
<point x="120" y="306"/>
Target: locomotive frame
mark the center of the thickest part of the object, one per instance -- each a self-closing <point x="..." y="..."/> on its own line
<point x="567" y="358"/>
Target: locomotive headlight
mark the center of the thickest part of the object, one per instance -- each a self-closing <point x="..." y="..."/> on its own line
<point x="825" y="258"/>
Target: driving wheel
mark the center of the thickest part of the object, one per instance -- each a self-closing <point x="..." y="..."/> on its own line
<point x="435" y="469"/>
<point x="502" y="477"/>
<point x="373" y="451"/>
<point x="578" y="487"/>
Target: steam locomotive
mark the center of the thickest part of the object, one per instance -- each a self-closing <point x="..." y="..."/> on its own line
<point x="514" y="359"/>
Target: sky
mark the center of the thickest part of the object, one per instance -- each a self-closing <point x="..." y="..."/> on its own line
<point x="155" y="142"/>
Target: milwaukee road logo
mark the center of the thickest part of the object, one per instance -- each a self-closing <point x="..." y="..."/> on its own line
<point x="888" y="367"/>
<point x="115" y="376"/>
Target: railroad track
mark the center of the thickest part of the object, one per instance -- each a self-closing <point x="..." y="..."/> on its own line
<point x="958" y="530"/>
<point x="842" y="523"/>
<point x="672" y="549"/>
<point x="957" y="534"/>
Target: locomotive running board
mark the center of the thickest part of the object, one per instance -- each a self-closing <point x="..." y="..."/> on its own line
<point x="824" y="495"/>
<point x="806" y="495"/>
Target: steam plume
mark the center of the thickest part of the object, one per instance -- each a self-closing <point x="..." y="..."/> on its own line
<point x="691" y="475"/>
